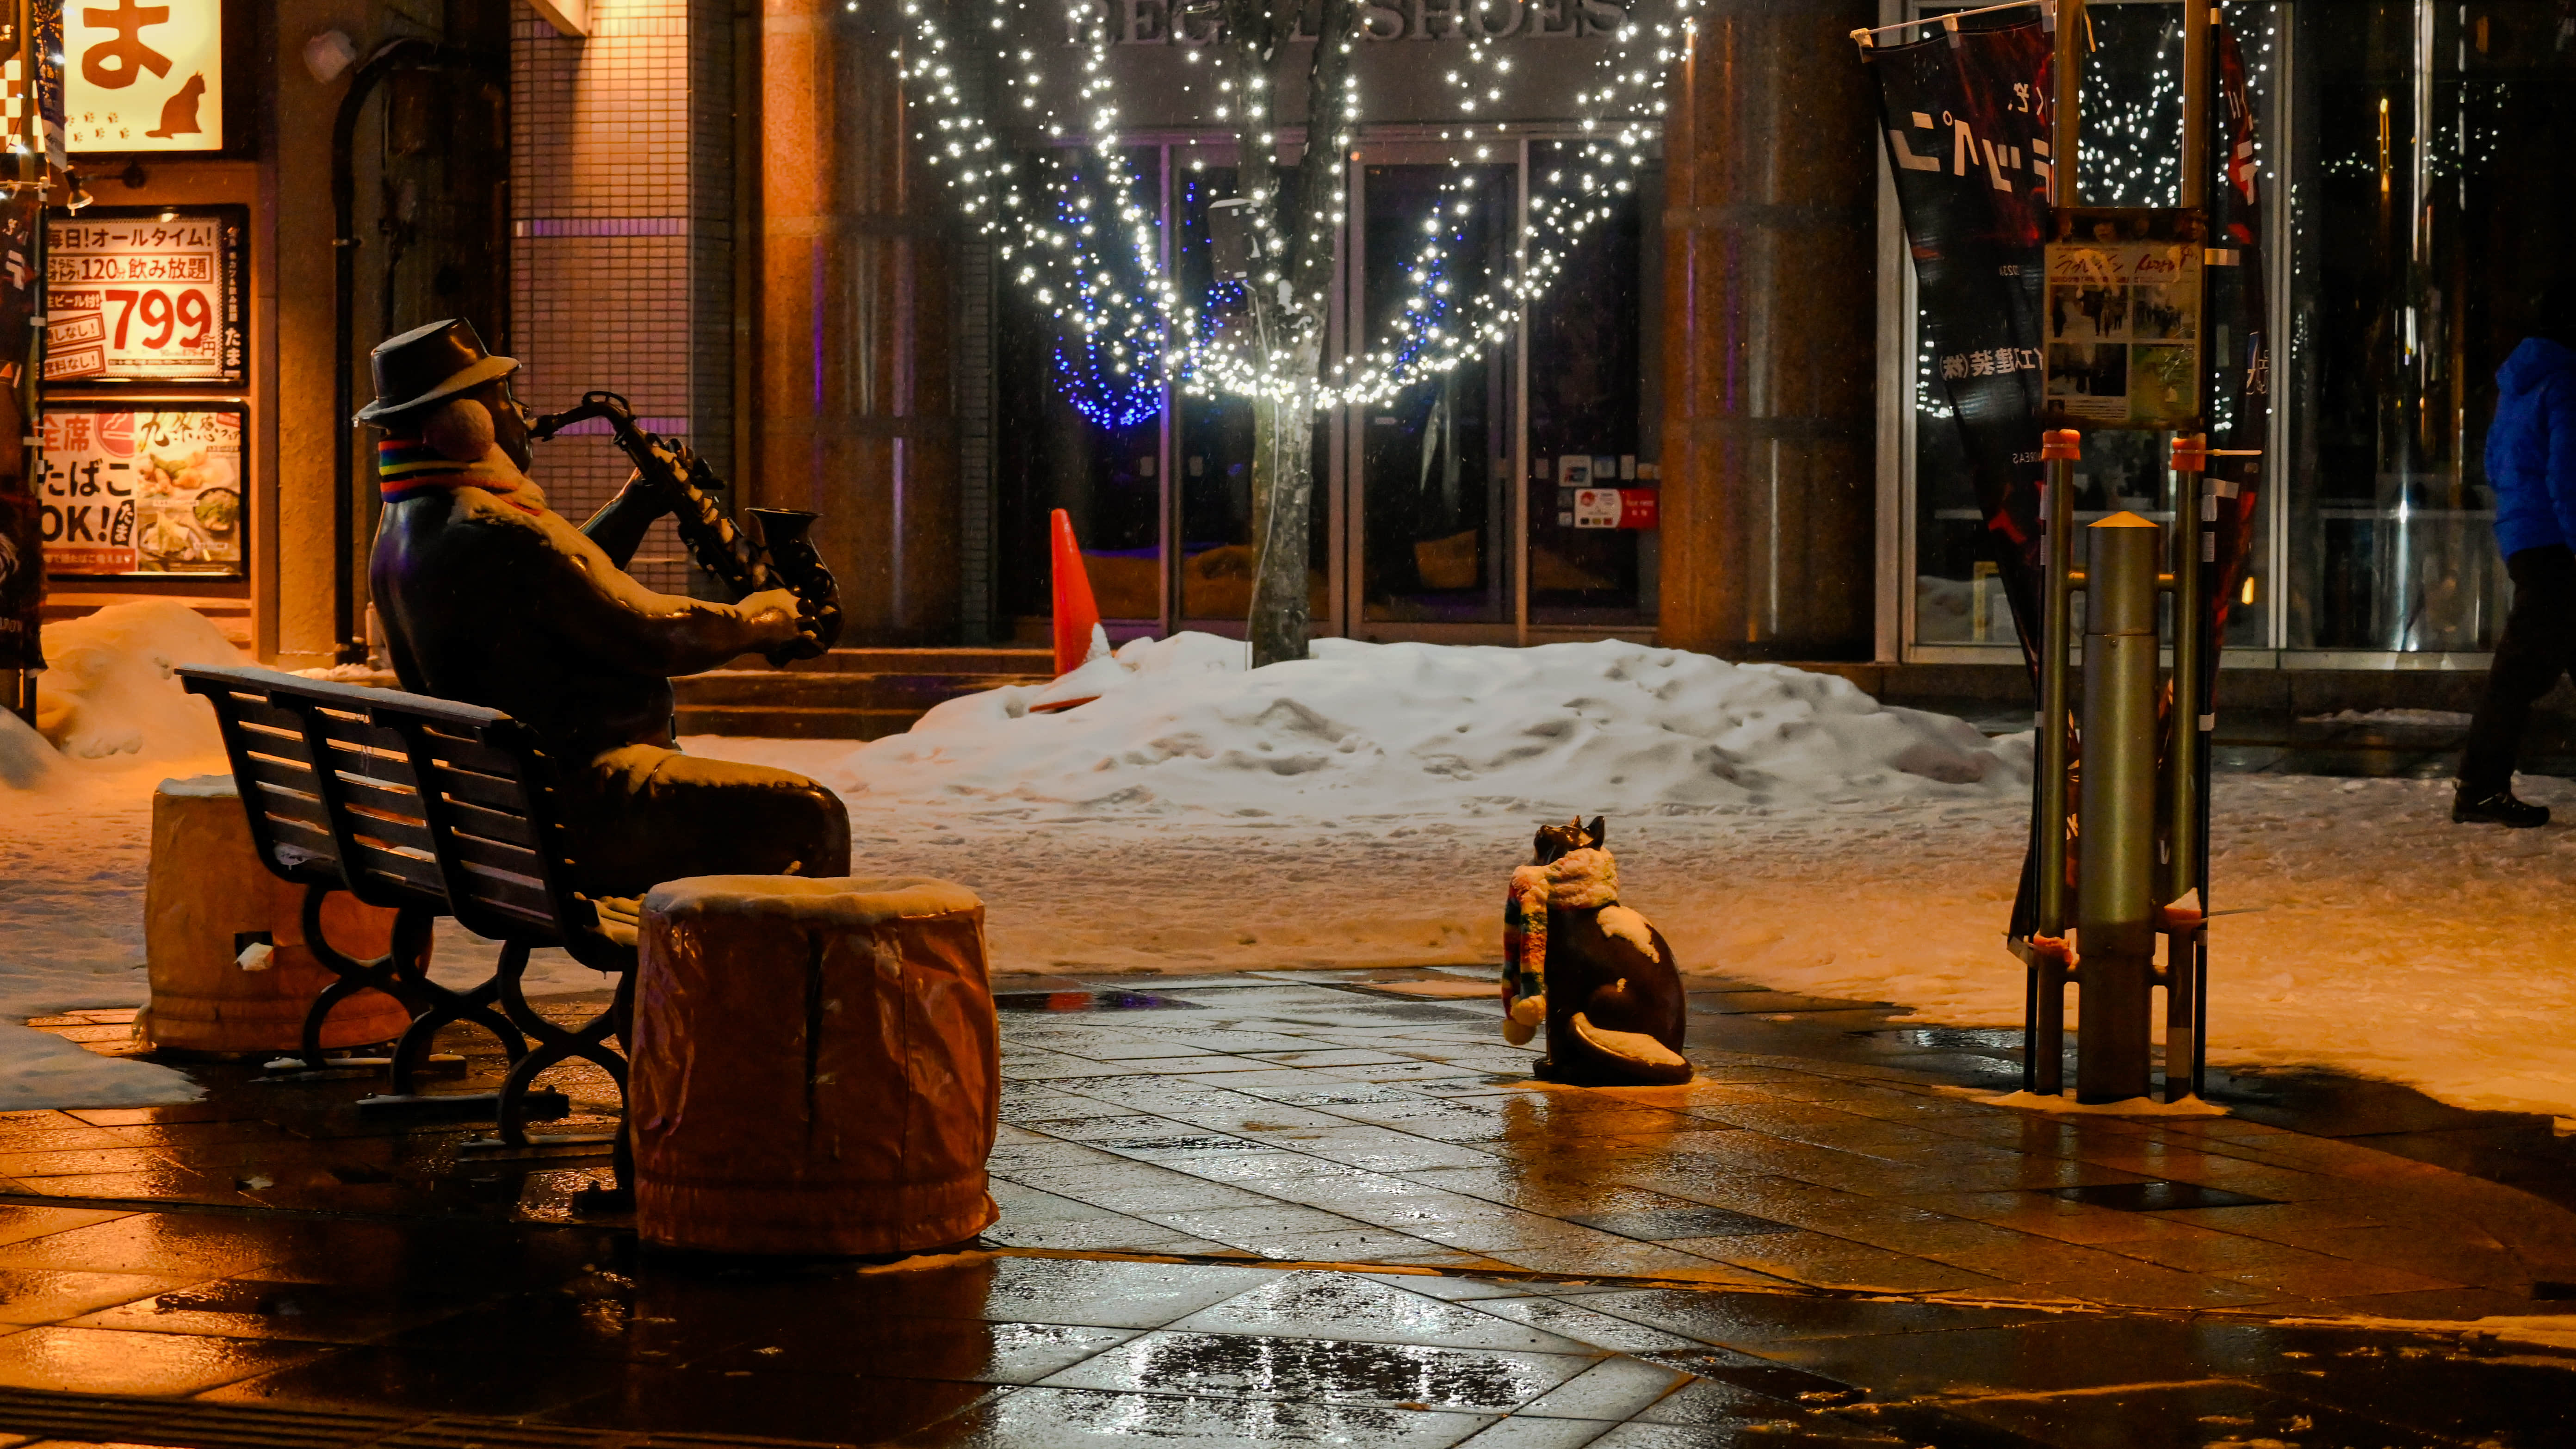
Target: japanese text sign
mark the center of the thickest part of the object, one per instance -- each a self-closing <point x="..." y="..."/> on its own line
<point x="143" y="76"/>
<point x="132" y="490"/>
<point x="137" y="297"/>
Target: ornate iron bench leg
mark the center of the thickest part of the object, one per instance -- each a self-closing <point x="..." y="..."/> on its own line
<point x="554" y="1046"/>
<point x="393" y="973"/>
<point x="440" y="1007"/>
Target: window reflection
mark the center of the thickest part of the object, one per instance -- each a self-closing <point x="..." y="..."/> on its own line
<point x="2424" y="225"/>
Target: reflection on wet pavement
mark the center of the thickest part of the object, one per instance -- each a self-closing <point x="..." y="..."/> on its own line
<point x="1297" y="1208"/>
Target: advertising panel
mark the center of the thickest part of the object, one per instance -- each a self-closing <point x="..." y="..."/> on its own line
<point x="141" y="488"/>
<point x="144" y="295"/>
<point x="140" y="77"/>
<point x="2124" y="320"/>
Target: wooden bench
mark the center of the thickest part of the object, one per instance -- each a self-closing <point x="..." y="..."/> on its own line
<point x="434" y="808"/>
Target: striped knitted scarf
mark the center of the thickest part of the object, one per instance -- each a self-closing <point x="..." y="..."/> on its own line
<point x="410" y="468"/>
<point x="1575" y="880"/>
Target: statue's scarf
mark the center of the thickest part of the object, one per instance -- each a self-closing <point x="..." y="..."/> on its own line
<point x="1573" y="881"/>
<point x="409" y="468"/>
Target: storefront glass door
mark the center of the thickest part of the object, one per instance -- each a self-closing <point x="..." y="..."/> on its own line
<point x="1447" y="511"/>
<point x="1434" y="462"/>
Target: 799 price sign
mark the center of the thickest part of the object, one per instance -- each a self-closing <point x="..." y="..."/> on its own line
<point x="144" y="295"/>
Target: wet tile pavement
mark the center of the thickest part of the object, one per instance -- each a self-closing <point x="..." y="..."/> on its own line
<point x="1310" y="1207"/>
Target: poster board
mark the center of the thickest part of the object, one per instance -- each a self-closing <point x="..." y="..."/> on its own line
<point x="145" y="78"/>
<point x="2122" y="319"/>
<point x="154" y="488"/>
<point x="145" y="294"/>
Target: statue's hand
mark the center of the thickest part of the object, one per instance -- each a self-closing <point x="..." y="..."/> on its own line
<point x="649" y="491"/>
<point x="776" y="615"/>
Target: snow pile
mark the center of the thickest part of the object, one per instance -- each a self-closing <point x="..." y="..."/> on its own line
<point x="27" y="759"/>
<point x="109" y="691"/>
<point x="2429" y="718"/>
<point x="75" y="839"/>
<point x="1376" y="730"/>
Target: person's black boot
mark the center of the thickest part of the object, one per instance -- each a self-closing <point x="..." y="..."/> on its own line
<point x="2497" y="808"/>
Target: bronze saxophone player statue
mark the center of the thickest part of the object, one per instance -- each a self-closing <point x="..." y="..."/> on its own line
<point x="491" y="597"/>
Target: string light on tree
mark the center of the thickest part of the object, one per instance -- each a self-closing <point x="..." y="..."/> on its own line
<point x="1143" y="324"/>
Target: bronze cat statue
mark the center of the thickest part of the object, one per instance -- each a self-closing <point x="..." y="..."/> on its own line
<point x="1596" y="974"/>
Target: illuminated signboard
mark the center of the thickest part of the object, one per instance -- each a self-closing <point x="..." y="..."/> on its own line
<point x="141" y="488"/>
<point x="144" y="295"/>
<point x="143" y="77"/>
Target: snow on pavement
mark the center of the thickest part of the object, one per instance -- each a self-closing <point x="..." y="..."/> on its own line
<point x="1365" y="807"/>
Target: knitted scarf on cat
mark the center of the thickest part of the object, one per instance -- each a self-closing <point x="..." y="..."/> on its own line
<point x="1576" y="880"/>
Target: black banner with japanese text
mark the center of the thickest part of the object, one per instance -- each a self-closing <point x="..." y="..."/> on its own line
<point x="2240" y="351"/>
<point x="22" y="554"/>
<point x="1966" y="115"/>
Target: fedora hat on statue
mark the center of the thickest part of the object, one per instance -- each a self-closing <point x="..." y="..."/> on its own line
<point x="428" y="363"/>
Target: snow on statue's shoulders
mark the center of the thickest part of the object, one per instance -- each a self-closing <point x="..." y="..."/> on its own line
<point x="1181" y="726"/>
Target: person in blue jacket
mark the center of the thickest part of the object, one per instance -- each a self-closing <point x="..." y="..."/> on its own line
<point x="2531" y="464"/>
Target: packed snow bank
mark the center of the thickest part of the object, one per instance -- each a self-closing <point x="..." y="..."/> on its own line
<point x="75" y="840"/>
<point x="2388" y="942"/>
<point x="1379" y="730"/>
<point x="109" y="690"/>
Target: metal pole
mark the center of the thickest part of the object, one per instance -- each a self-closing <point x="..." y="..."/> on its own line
<point x="2185" y="791"/>
<point x="2044" y="1046"/>
<point x="18" y="686"/>
<point x="2196" y="99"/>
<point x="2066" y="77"/>
<point x="2114" y="891"/>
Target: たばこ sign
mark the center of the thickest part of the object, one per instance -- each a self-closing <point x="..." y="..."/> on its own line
<point x="132" y="490"/>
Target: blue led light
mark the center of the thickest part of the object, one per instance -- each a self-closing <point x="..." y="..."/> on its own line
<point x="1109" y="390"/>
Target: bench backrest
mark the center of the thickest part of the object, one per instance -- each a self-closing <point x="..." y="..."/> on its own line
<point x="497" y="820"/>
<point x="407" y="798"/>
<point x="272" y="762"/>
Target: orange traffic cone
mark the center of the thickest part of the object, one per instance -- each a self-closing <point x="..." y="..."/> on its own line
<point x="1079" y="639"/>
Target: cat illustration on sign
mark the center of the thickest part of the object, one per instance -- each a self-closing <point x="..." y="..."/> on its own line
<point x="179" y="113"/>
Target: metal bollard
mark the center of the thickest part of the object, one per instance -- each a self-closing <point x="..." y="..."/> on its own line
<point x="2116" y="883"/>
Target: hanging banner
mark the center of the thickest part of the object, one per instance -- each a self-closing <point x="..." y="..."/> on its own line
<point x="48" y="29"/>
<point x="144" y="77"/>
<point x="1966" y="116"/>
<point x="2240" y="350"/>
<point x="147" y="488"/>
<point x="22" y="567"/>
<point x="145" y="294"/>
<point x="22" y="582"/>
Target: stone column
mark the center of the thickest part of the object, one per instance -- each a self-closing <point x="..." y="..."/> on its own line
<point x="1769" y="279"/>
<point x="852" y="412"/>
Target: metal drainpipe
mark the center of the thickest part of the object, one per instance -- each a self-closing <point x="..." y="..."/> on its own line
<point x="408" y="53"/>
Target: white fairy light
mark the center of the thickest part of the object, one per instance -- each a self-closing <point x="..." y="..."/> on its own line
<point x="1174" y="341"/>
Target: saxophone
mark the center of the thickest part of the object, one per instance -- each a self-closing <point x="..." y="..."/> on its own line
<point x="777" y="556"/>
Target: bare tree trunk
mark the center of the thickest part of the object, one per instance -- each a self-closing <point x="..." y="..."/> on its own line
<point x="1283" y="493"/>
<point x="1297" y="218"/>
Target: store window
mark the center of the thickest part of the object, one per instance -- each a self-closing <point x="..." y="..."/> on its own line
<point x="2429" y="153"/>
<point x="2412" y="150"/>
<point x="1450" y="506"/>
<point x="2132" y="141"/>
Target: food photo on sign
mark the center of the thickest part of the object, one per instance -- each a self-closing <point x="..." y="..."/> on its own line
<point x="132" y="490"/>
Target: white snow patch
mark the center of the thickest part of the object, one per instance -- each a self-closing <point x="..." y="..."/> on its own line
<point x="1628" y="926"/>
<point x="2066" y="1104"/>
<point x="109" y="690"/>
<point x="2440" y="718"/>
<point x="2391" y="942"/>
<point x="1181" y="728"/>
